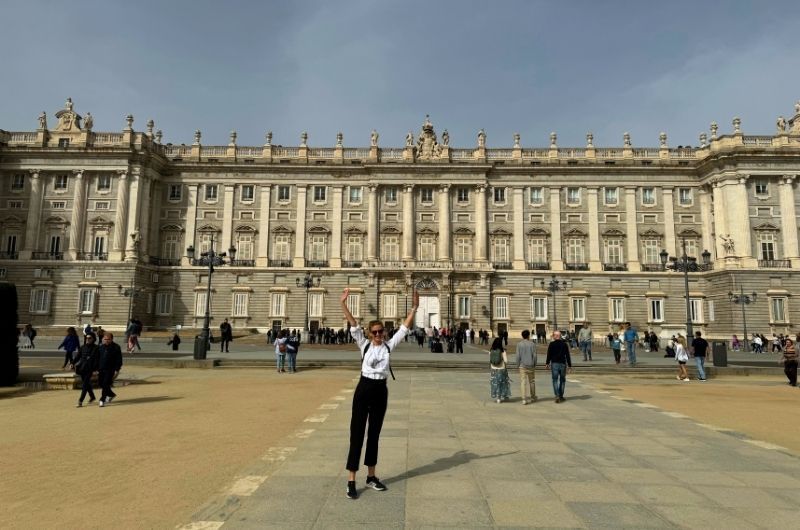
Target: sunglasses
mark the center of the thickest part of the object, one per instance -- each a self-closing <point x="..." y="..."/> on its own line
<point x="376" y="331"/>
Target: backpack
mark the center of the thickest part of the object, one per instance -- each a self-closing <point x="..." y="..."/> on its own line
<point x="84" y="364"/>
<point x="363" y="353"/>
<point x="496" y="357"/>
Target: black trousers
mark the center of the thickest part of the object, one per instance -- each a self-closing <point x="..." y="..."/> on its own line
<point x="224" y="345"/>
<point x="369" y="406"/>
<point x="67" y="358"/>
<point x="106" y="380"/>
<point x="790" y="369"/>
<point x="459" y="347"/>
<point x="86" y="387"/>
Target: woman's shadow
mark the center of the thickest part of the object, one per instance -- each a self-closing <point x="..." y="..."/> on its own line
<point x="441" y="464"/>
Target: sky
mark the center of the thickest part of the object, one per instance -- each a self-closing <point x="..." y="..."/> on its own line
<point x="528" y="67"/>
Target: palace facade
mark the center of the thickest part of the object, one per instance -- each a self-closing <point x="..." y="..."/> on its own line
<point x="90" y="217"/>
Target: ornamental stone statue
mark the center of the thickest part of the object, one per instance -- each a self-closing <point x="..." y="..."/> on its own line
<point x="43" y="120"/>
<point x="373" y="138"/>
<point x="445" y="138"/>
<point x="481" y="138"/>
<point x="410" y="139"/>
<point x="727" y="244"/>
<point x="781" y="124"/>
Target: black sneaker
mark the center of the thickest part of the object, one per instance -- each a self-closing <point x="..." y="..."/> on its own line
<point x="375" y="484"/>
<point x="351" y="490"/>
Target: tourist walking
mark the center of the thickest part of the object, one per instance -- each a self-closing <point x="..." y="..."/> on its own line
<point x="631" y="337"/>
<point x="292" y="347"/>
<point x="87" y="363"/>
<point x="681" y="357"/>
<point x="653" y="340"/>
<point x="109" y="365"/>
<point x="700" y="348"/>
<point x="29" y="332"/>
<point x="460" y="336"/>
<point x="371" y="395"/>
<point x="585" y="341"/>
<point x="789" y="361"/>
<point x="132" y="336"/>
<point x="558" y="362"/>
<point x="526" y="363"/>
<point x="616" y="345"/>
<point x="280" y="349"/>
<point x="175" y="342"/>
<point x="735" y="344"/>
<point x="225" y="336"/>
<point x="499" y="382"/>
<point x="70" y="344"/>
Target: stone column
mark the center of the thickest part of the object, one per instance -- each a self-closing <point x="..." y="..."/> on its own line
<point x="300" y="235"/>
<point x="154" y="227"/>
<point x="444" y="222"/>
<point x="556" y="260"/>
<point x="336" y="236"/>
<point x="76" y="230"/>
<point x="480" y="224"/>
<point x="144" y="215"/>
<point x="120" y="217"/>
<point x="789" y="220"/>
<point x="191" y="222"/>
<point x="227" y="218"/>
<point x="705" y="220"/>
<point x="262" y="259"/>
<point x="632" y="238"/>
<point x="133" y="218"/>
<point x="372" y="223"/>
<point x="739" y="224"/>
<point x="408" y="223"/>
<point x="34" y="217"/>
<point x="720" y="221"/>
<point x="519" y="227"/>
<point x="669" y="221"/>
<point x="595" y="260"/>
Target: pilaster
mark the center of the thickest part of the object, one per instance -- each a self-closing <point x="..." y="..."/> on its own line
<point x="408" y="222"/>
<point x="372" y="223"/>
<point x="519" y="229"/>
<point x="789" y="220"/>
<point x="191" y="221"/>
<point x="632" y="238"/>
<point x="121" y="217"/>
<point x="34" y="216"/>
<point x="444" y="222"/>
<point x="154" y="229"/>
<point x="595" y="261"/>
<point x="336" y="236"/>
<point x="705" y="221"/>
<point x="131" y="252"/>
<point x="480" y="224"/>
<point x="262" y="259"/>
<point x="76" y="230"/>
<point x="667" y="196"/>
<point x="720" y="221"/>
<point x="227" y="216"/>
<point x="299" y="259"/>
<point x="556" y="260"/>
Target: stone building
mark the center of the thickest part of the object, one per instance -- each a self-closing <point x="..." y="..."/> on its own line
<point x="90" y="216"/>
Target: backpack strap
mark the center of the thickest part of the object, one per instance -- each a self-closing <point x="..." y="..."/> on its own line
<point x="364" y="353"/>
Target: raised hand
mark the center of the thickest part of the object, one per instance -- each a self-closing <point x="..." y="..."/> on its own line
<point x="345" y="294"/>
<point x="415" y="298"/>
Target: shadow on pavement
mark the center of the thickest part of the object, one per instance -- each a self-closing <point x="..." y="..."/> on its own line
<point x="138" y="401"/>
<point x="441" y="464"/>
<point x="582" y="396"/>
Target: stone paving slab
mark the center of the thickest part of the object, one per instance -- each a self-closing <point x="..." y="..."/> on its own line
<point x="451" y="457"/>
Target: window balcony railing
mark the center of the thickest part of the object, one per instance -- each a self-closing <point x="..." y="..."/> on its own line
<point x="504" y="265"/>
<point x="652" y="267"/>
<point x="538" y="266"/>
<point x="9" y="255"/>
<point x="352" y="264"/>
<point x="52" y="256"/>
<point x="615" y="267"/>
<point x="280" y="263"/>
<point x="164" y="262"/>
<point x="93" y="256"/>
<point x="576" y="266"/>
<point x="775" y="264"/>
<point x="316" y="263"/>
<point x="243" y="263"/>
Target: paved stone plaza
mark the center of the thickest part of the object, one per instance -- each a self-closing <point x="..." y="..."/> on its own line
<point x="452" y="458"/>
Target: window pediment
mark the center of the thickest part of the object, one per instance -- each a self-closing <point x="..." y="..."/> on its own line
<point x="689" y="233"/>
<point x="464" y="231"/>
<point x="393" y="230"/>
<point x="766" y="227"/>
<point x="650" y="233"/>
<point x="575" y="232"/>
<point x="245" y="228"/>
<point x="280" y="229"/>
<point x="208" y="228"/>
<point x="318" y="229"/>
<point x="613" y="232"/>
<point x="541" y="232"/>
<point x="500" y="232"/>
<point x="172" y="228"/>
<point x="56" y="220"/>
<point x="426" y="231"/>
<point x="354" y="230"/>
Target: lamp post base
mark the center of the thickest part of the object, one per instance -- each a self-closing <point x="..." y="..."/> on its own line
<point x="200" y="347"/>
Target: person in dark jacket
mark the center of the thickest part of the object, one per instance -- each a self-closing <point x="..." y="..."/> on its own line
<point x="109" y="365"/>
<point x="558" y="361"/>
<point x="175" y="342"/>
<point x="70" y="344"/>
<point x="86" y="364"/>
<point x="226" y="336"/>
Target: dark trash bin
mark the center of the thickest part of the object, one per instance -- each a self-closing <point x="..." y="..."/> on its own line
<point x="719" y="349"/>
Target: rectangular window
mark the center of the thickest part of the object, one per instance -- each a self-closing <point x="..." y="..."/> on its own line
<point x="610" y="196"/>
<point x="390" y="194"/>
<point x="501" y="307"/>
<point x="499" y="195"/>
<point x="99" y="246"/>
<point x="696" y="310"/>
<point x="656" y="310"/>
<point x="11" y="243"/>
<point x="613" y="251"/>
<point x="650" y="252"/>
<point x="573" y="196"/>
<point x="40" y="301"/>
<point x="200" y="304"/>
<point x="206" y="239"/>
<point x="537" y="250"/>
<point x="578" y="309"/>
<point x="211" y="192"/>
<point x="354" y="304"/>
<point x="426" y="194"/>
<point x="464" y="306"/>
<point x="463" y="195"/>
<point x="175" y="192"/>
<point x="278" y="306"/>
<point x="355" y="195"/>
<point x="318" y="251"/>
<point x="104" y="183"/>
<point x="766" y="246"/>
<point x="19" y="182"/>
<point x="315" y="301"/>
<point x="280" y="251"/>
<point x="463" y="246"/>
<point x="390" y="250"/>
<point x="762" y="187"/>
<point x="711" y="315"/>
<point x="244" y="245"/>
<point x="171" y="243"/>
<point x="61" y="182"/>
<point x="536" y="196"/>
<point x="685" y="196"/>
<point x="164" y="303"/>
<point x="15" y="205"/>
<point x="55" y="244"/>
<point x="648" y="196"/>
<point x="248" y="193"/>
<point x="86" y="301"/>
<point x="102" y="205"/>
<point x="427" y="248"/>
<point x="539" y="308"/>
<point x="320" y="193"/>
<point x="575" y="251"/>
<point x="691" y="248"/>
<point x="58" y="205"/>
<point x="777" y="310"/>
<point x="617" y="311"/>
<point x="284" y="193"/>
<point x="240" y="303"/>
<point x="501" y="250"/>
<point x="390" y="306"/>
<point x="355" y="248"/>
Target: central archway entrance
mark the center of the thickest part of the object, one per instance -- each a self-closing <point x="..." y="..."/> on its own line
<point x="429" y="312"/>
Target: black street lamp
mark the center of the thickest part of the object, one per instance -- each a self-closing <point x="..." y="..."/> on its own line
<point x="685" y="264"/>
<point x="554" y="286"/>
<point x="307" y="282"/>
<point x="743" y="300"/>
<point x="209" y="259"/>
<point x="130" y="293"/>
